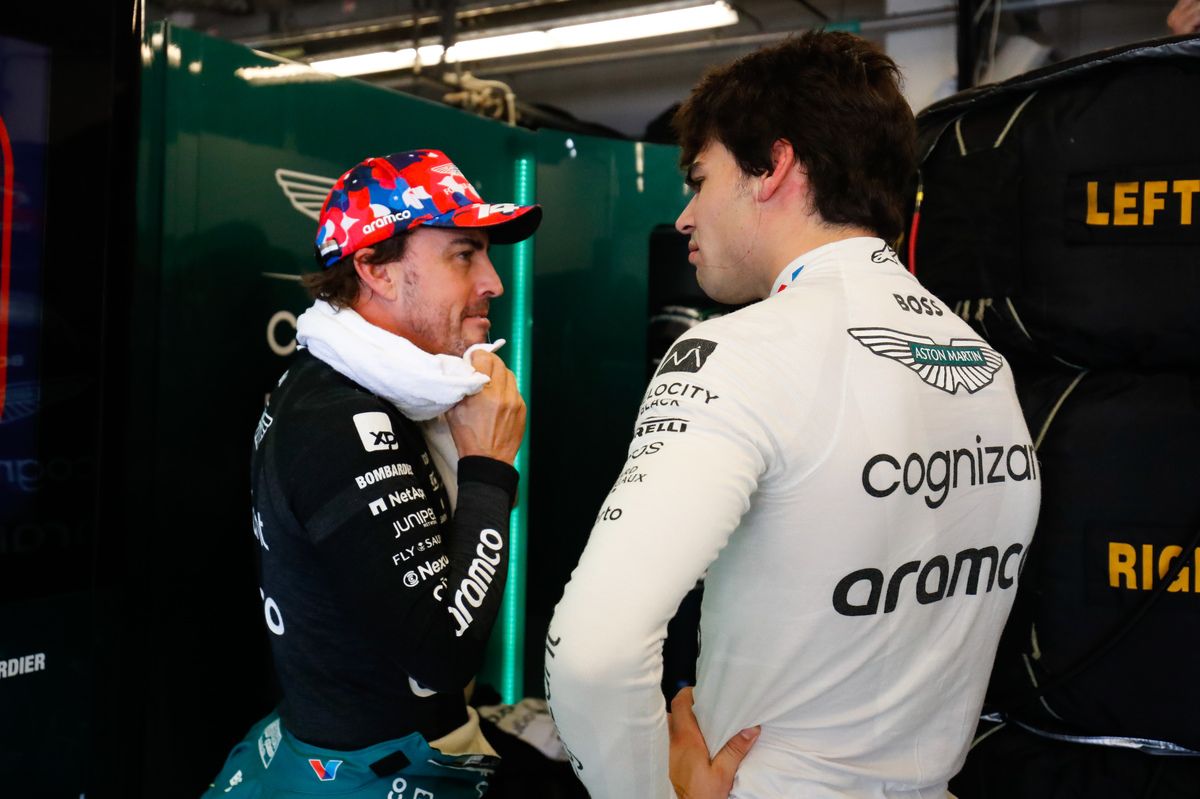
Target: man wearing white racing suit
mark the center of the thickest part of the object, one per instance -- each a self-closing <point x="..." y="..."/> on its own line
<point x="845" y="459"/>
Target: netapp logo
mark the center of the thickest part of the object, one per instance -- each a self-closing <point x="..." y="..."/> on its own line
<point x="383" y="473"/>
<point x="474" y="587"/>
<point x="688" y="355"/>
<point x="938" y="567"/>
<point x="375" y="430"/>
<point x="660" y="425"/>
<point x="396" y="499"/>
<point x="15" y="667"/>
<point x="940" y="472"/>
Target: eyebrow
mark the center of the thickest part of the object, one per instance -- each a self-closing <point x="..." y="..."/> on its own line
<point x="478" y="242"/>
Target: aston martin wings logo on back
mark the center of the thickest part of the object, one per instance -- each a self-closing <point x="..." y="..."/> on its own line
<point x="305" y="192"/>
<point x="965" y="362"/>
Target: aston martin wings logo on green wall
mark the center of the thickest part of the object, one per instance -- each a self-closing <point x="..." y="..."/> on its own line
<point x="965" y="362"/>
<point x="305" y="192"/>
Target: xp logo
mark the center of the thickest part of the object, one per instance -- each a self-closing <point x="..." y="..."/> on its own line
<point x="964" y="362"/>
<point x="375" y="430"/>
<point x="688" y="355"/>
<point x="327" y="771"/>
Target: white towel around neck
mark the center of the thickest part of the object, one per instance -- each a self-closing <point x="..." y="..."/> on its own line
<point x="421" y="385"/>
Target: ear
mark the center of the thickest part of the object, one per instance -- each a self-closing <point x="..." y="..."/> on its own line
<point x="783" y="164"/>
<point x="375" y="277"/>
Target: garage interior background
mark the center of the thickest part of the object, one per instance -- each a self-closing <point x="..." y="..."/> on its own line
<point x="127" y="741"/>
<point x="624" y="86"/>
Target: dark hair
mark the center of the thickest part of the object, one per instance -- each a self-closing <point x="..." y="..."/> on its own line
<point x="836" y="99"/>
<point x="339" y="284"/>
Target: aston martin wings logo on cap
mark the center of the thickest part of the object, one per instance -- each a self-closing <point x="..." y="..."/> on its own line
<point x="305" y="192"/>
<point x="965" y="362"/>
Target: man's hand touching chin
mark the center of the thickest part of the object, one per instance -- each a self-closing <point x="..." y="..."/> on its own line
<point x="693" y="775"/>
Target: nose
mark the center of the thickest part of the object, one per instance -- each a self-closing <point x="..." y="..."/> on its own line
<point x="487" y="281"/>
<point x="686" y="223"/>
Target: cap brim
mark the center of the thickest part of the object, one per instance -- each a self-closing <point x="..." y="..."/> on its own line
<point x="508" y="228"/>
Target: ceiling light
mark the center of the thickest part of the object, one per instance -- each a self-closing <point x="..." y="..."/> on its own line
<point x="384" y="61"/>
<point x="366" y="63"/>
<point x="500" y="46"/>
<point x="619" y="29"/>
<point x="642" y="26"/>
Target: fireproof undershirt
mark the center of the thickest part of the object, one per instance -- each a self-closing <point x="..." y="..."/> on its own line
<point x="848" y="463"/>
<point x="379" y="597"/>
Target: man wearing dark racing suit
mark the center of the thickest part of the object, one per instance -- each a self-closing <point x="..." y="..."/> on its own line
<point x="382" y="483"/>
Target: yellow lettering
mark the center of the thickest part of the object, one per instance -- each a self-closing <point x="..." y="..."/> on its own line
<point x="1185" y="189"/>
<point x="1121" y="559"/>
<point x="1094" y="215"/>
<point x="1180" y="583"/>
<point x="1152" y="199"/>
<point x="1125" y="203"/>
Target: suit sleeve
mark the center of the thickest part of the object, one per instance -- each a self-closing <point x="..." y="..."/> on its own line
<point x="406" y="570"/>
<point x="696" y="458"/>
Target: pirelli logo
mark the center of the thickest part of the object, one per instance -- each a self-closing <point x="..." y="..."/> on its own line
<point x="1142" y="567"/>
<point x="1142" y="205"/>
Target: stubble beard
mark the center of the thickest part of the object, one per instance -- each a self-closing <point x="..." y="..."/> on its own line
<point x="426" y="323"/>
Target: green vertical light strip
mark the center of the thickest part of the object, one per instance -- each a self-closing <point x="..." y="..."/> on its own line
<point x="513" y="612"/>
